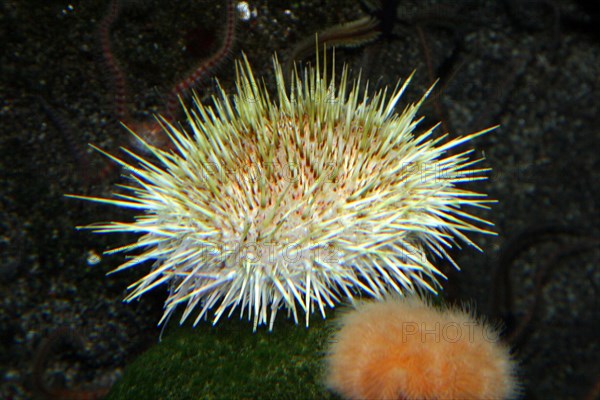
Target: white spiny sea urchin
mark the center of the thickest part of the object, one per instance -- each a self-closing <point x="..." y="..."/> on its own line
<point x="298" y="203"/>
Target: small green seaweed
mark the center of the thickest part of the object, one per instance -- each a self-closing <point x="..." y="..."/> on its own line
<point x="228" y="361"/>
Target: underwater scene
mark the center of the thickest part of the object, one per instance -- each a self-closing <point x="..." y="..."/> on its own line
<point x="345" y="199"/>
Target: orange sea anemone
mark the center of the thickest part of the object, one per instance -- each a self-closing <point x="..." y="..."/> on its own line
<point x="406" y="349"/>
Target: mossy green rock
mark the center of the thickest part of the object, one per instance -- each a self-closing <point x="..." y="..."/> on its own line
<point x="229" y="361"/>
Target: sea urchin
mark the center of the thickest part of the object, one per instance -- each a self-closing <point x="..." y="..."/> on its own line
<point x="297" y="203"/>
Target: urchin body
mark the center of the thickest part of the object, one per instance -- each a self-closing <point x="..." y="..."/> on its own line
<point x="295" y="203"/>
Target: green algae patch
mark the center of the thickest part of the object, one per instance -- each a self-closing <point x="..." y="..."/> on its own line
<point x="229" y="361"/>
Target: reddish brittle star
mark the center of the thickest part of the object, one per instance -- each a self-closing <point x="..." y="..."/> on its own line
<point x="151" y="130"/>
<point x="63" y="336"/>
